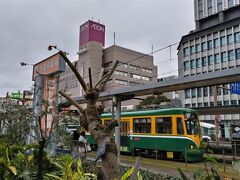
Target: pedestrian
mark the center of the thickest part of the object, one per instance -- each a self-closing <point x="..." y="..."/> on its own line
<point x="75" y="137"/>
<point x="84" y="146"/>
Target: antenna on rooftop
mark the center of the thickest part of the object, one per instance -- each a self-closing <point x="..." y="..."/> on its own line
<point x="152" y="50"/>
<point x="114" y="38"/>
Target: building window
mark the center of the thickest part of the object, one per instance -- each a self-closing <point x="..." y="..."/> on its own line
<point x="199" y="92"/>
<point x="199" y="104"/>
<point x="237" y="53"/>
<point x="192" y="50"/>
<point x="164" y="125"/>
<point x="209" y="45"/>
<point x="222" y="41"/>
<point x="110" y="81"/>
<point x="186" y="65"/>
<point x="198" y="48"/>
<point x="147" y="70"/>
<point x="179" y="126"/>
<point x="211" y="90"/>
<point x="193" y="93"/>
<point x="123" y="65"/>
<point x="187" y="105"/>
<point x="137" y="68"/>
<point x="119" y="81"/>
<point x="205" y="91"/>
<point x="225" y="89"/>
<point x="233" y="102"/>
<point x="230" y="3"/>
<point x="204" y="61"/>
<point x="192" y="63"/>
<point x="205" y="104"/>
<point x="141" y="125"/>
<point x="209" y="7"/>
<point x="229" y="39"/>
<point x="200" y="14"/>
<point x="220" y="5"/>
<point x="216" y="58"/>
<point x="146" y="78"/>
<point x="225" y="103"/>
<point x="237" y="37"/>
<point x="121" y="73"/>
<point x="216" y="43"/>
<point x="219" y="103"/>
<point x="223" y="57"/>
<point x="230" y="55"/>
<point x="187" y="94"/>
<point x="135" y="76"/>
<point x="198" y="63"/>
<point x="186" y="52"/>
<point x="204" y="46"/>
<point x="200" y="9"/>
<point x="210" y="60"/>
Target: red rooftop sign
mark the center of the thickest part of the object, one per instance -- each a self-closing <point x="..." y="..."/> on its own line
<point x="92" y="31"/>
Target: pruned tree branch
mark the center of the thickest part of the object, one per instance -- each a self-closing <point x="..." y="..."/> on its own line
<point x="40" y="129"/>
<point x="90" y="78"/>
<point x="101" y="74"/>
<point x="72" y="101"/>
<point x="101" y="83"/>
<point x="79" y="77"/>
<point x="113" y="124"/>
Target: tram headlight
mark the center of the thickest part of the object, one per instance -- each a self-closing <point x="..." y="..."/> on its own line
<point x="191" y="146"/>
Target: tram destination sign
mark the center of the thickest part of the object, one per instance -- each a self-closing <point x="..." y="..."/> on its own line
<point x="235" y="88"/>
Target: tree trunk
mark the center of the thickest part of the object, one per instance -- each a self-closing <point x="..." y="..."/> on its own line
<point x="102" y="133"/>
<point x="40" y="158"/>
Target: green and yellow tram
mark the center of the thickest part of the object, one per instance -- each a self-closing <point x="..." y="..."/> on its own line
<point x="173" y="133"/>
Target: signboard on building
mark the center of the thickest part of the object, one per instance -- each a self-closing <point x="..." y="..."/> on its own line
<point x="16" y="95"/>
<point x="235" y="88"/>
<point x="49" y="66"/>
<point x="92" y="31"/>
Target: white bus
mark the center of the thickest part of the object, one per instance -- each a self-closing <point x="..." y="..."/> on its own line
<point x="208" y="131"/>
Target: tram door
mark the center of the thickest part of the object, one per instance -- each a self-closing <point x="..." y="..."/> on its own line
<point x="125" y="131"/>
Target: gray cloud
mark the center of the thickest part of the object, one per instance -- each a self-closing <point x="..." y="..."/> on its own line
<point x="28" y="27"/>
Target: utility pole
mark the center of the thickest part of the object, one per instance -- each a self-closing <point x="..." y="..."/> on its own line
<point x="216" y="115"/>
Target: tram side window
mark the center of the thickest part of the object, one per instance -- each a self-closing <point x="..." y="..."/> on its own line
<point x="179" y="126"/>
<point x="164" y="125"/>
<point x="142" y="125"/>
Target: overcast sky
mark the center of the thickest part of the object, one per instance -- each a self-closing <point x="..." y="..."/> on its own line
<point x="27" y="27"/>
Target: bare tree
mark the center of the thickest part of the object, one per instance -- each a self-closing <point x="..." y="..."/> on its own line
<point x="90" y="119"/>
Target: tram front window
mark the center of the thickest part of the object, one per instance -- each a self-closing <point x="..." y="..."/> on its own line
<point x="192" y="125"/>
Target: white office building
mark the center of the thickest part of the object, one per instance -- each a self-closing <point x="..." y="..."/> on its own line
<point x="213" y="46"/>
